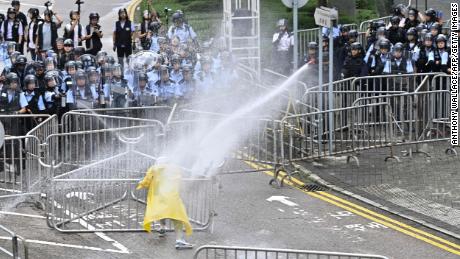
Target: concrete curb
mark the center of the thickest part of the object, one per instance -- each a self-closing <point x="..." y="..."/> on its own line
<point x="315" y="178"/>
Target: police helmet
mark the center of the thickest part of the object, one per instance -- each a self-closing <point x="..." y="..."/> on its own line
<point x="117" y="70"/>
<point x="11" y="46"/>
<point x="143" y="76"/>
<point x="282" y="22"/>
<point x="400" y="9"/>
<point x="79" y="50"/>
<point x="70" y="64"/>
<point x="428" y="37"/>
<point x="431" y="13"/>
<point x="178" y="16"/>
<point x="60" y="40"/>
<point x="29" y="79"/>
<point x="381" y="31"/>
<point x="78" y="64"/>
<point x="94" y="16"/>
<point x="412" y="31"/>
<point x="398" y="47"/>
<point x="344" y="28"/>
<point x="356" y="46"/>
<point x="111" y="60"/>
<point x="312" y="45"/>
<point x="21" y="60"/>
<point x="12" y="77"/>
<point x="39" y="65"/>
<point x="413" y="12"/>
<point x="175" y="58"/>
<point x="80" y="74"/>
<point x="34" y="12"/>
<point x="15" y="2"/>
<point x="381" y="23"/>
<point x="101" y="56"/>
<point x="441" y="38"/>
<point x="436" y="26"/>
<point x="68" y="43"/>
<point x="187" y="68"/>
<point x="353" y="34"/>
<point x="87" y="60"/>
<point x="395" y="20"/>
<point x="50" y="76"/>
<point x="164" y="69"/>
<point x="385" y="44"/>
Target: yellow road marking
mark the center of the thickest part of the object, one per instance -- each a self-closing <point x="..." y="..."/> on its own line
<point x="366" y="213"/>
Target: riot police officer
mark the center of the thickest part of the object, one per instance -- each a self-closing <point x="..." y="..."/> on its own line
<point x="354" y="65"/>
<point x="142" y="94"/>
<point x="11" y="95"/>
<point x="33" y="100"/>
<point x="441" y="55"/>
<point x="180" y="29"/>
<point x="396" y="33"/>
<point x="422" y="53"/>
<point x="398" y="63"/>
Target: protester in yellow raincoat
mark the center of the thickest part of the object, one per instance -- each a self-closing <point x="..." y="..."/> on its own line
<point x="164" y="202"/>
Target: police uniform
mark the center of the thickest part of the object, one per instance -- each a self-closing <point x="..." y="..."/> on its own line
<point x="33" y="101"/>
<point x="10" y="101"/>
<point x="422" y="60"/>
<point x="283" y="41"/>
<point x="85" y="97"/>
<point x="184" y="33"/>
<point x="398" y="66"/>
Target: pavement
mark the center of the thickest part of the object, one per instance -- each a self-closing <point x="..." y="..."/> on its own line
<point x="250" y="212"/>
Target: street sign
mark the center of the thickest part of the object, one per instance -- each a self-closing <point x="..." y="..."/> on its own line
<point x="324" y="16"/>
<point x="290" y="3"/>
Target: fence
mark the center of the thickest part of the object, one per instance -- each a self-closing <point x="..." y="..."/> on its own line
<point x="19" y="170"/>
<point x="102" y="196"/>
<point x="160" y="113"/>
<point x="224" y="252"/>
<point x="19" y="125"/>
<point x="75" y="149"/>
<point x="16" y="252"/>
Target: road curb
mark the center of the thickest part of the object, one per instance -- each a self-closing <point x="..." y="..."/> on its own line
<point x="317" y="179"/>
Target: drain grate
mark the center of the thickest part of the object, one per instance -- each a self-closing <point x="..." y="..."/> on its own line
<point x="313" y="188"/>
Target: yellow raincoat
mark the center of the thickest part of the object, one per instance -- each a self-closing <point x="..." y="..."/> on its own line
<point x="163" y="199"/>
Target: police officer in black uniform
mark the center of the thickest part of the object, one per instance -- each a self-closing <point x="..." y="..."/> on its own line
<point x="422" y="53"/>
<point x="354" y="65"/>
<point x="122" y="36"/>
<point x="396" y="33"/>
<point x="441" y="55"/>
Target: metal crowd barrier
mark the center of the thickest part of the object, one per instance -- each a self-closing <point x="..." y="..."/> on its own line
<point x="365" y="25"/>
<point x="227" y="252"/>
<point x="160" y="113"/>
<point x="75" y="121"/>
<point x="306" y="136"/>
<point x="16" y="251"/>
<point x="47" y="127"/>
<point x="75" y="149"/>
<point x="102" y="197"/>
<point x="20" y="124"/>
<point x="19" y="170"/>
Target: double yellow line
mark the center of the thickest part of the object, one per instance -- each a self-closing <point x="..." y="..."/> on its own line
<point x="366" y="213"/>
<point x="131" y="9"/>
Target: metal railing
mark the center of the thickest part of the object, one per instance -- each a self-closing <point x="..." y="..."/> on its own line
<point x="20" y="124"/>
<point x="227" y="252"/>
<point x="102" y="196"/>
<point x="16" y="252"/>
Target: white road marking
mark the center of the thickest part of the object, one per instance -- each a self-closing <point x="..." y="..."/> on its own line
<point x="90" y="227"/>
<point x="22" y="214"/>
<point x="283" y="199"/>
<point x="41" y="242"/>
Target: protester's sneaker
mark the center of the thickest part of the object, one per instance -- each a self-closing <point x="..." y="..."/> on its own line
<point x="181" y="244"/>
<point x="161" y="232"/>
